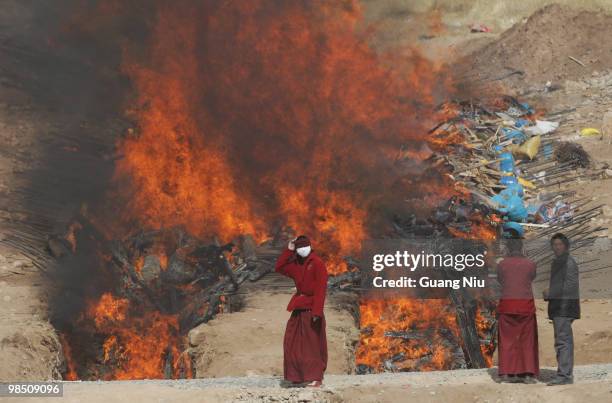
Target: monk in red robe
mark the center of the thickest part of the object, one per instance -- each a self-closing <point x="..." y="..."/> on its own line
<point x="305" y="344"/>
<point x="518" y="328"/>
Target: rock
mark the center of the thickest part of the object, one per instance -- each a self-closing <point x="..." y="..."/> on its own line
<point x="197" y="335"/>
<point x="19" y="264"/>
<point x="306" y="396"/>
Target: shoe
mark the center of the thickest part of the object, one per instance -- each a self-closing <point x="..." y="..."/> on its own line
<point x="314" y="384"/>
<point x="514" y="379"/>
<point x="289" y="384"/>
<point x="529" y="380"/>
<point x="504" y="379"/>
<point x="560" y="381"/>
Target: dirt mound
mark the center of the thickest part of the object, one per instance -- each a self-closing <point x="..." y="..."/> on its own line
<point x="541" y="48"/>
<point x="29" y="353"/>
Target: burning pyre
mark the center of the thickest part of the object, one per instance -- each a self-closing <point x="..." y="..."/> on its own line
<point x="250" y="119"/>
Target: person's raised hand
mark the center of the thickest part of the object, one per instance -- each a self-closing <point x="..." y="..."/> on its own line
<point x="291" y="245"/>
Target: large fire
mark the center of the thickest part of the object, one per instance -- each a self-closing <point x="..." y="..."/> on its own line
<point x="291" y="118"/>
<point x="382" y="324"/>
<point x="249" y="116"/>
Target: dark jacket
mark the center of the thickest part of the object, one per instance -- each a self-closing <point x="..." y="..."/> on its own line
<point x="564" y="289"/>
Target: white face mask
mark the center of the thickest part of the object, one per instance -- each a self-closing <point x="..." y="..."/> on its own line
<point x="303" y="251"/>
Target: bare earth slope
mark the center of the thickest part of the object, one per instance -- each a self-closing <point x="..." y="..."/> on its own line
<point x="542" y="47"/>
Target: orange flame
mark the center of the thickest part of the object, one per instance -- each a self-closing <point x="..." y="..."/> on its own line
<point x="109" y="309"/>
<point x="139" y="345"/>
<point x="253" y="114"/>
<point x="288" y="119"/>
<point x="70" y="374"/>
<point x="427" y="320"/>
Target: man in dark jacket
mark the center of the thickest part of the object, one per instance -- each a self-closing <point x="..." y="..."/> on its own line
<point x="563" y="306"/>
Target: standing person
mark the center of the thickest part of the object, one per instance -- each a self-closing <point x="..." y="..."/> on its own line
<point x="305" y="344"/>
<point x="518" y="327"/>
<point x="563" y="306"/>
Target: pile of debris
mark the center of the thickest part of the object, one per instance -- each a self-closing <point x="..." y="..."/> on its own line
<point x="514" y="169"/>
<point x="163" y="278"/>
<point x="511" y="172"/>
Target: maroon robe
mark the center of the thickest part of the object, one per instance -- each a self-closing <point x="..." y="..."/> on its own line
<point x="305" y="344"/>
<point x="518" y="328"/>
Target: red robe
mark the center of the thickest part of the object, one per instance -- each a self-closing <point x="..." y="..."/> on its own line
<point x="518" y="328"/>
<point x="305" y="344"/>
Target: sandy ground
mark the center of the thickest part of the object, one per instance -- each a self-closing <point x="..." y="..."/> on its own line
<point x="593" y="383"/>
<point x="498" y="14"/>
<point x="440" y="29"/>
<point x="592" y="333"/>
<point x="29" y="348"/>
<point x="250" y="342"/>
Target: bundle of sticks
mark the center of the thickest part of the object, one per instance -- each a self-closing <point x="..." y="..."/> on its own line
<point x="547" y="176"/>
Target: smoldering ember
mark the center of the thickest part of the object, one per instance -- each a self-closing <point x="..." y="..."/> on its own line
<point x="177" y="176"/>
